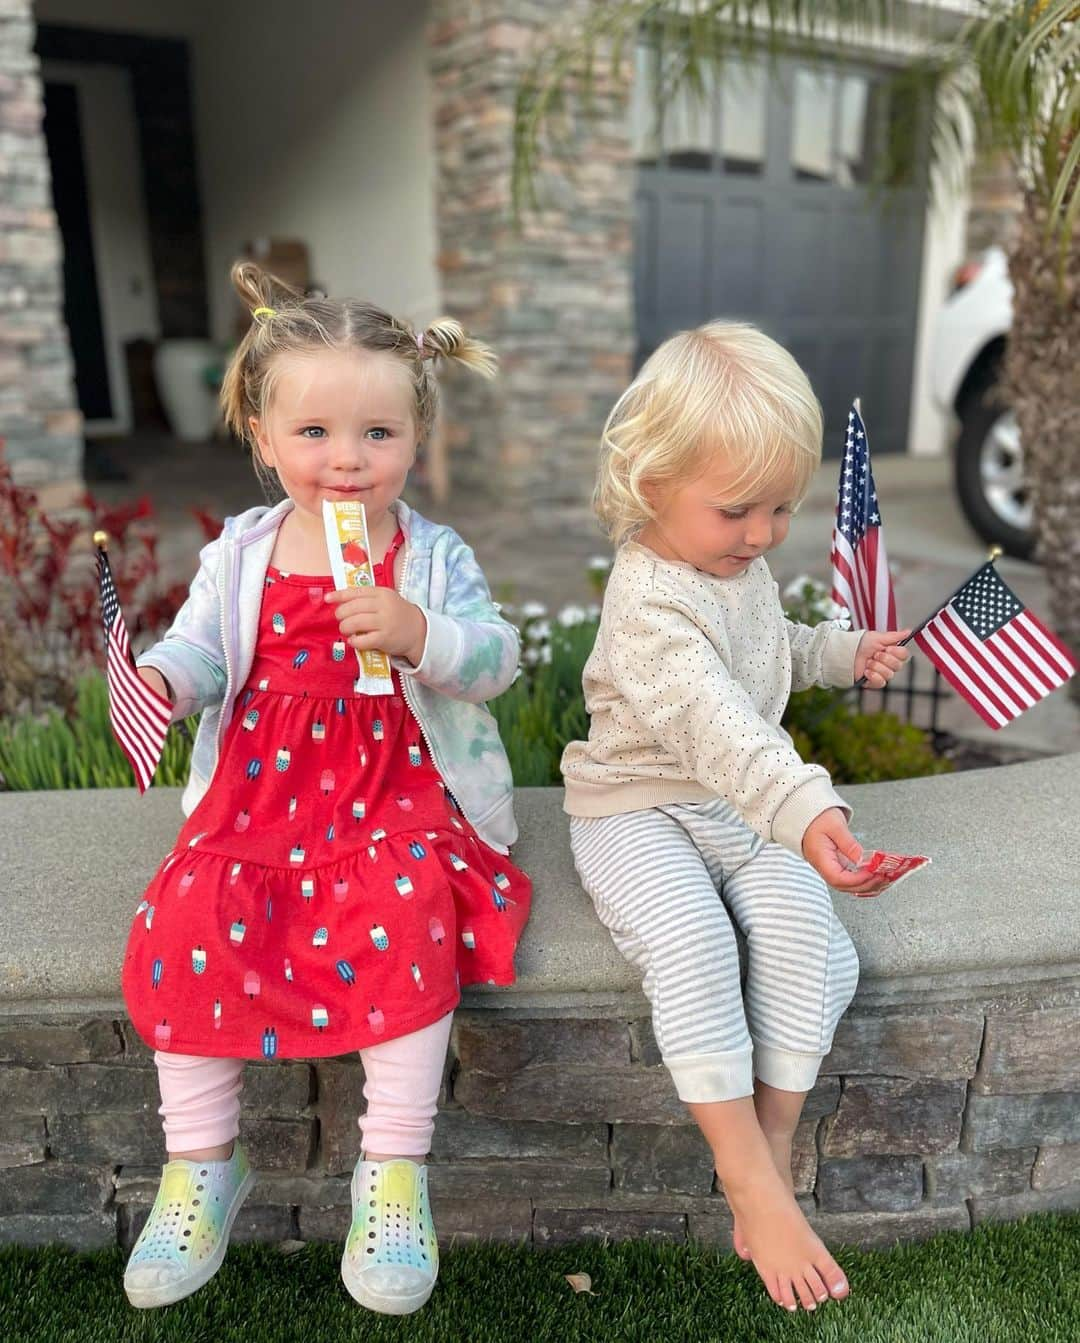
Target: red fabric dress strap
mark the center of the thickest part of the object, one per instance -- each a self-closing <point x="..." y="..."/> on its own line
<point x="386" y="565"/>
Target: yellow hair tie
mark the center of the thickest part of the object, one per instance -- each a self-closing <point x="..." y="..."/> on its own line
<point x="270" y="312"/>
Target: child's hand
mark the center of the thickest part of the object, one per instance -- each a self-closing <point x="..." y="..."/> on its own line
<point x="377" y="618"/>
<point x="879" y="656"/>
<point x="829" y="847"/>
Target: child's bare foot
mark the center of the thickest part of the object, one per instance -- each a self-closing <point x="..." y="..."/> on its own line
<point x="780" y="1147"/>
<point x="791" y="1260"/>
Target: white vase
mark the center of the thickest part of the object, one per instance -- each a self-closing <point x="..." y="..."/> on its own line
<point x="180" y="371"/>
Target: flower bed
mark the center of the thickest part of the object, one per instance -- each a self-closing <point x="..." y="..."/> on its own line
<point x="54" y="728"/>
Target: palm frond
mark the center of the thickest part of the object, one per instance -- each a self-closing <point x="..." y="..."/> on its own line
<point x="1010" y="77"/>
<point x="702" y="32"/>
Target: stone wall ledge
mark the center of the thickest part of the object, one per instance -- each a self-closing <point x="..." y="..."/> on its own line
<point x="996" y="911"/>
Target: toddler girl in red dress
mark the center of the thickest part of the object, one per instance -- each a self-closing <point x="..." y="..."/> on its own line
<point x="344" y="866"/>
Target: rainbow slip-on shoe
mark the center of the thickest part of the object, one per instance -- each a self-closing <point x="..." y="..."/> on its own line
<point x="391" y="1257"/>
<point x="187" y="1233"/>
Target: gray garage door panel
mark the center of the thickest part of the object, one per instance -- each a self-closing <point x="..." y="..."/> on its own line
<point x="828" y="267"/>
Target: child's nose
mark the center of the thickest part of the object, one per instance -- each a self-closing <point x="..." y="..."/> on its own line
<point x="759" y="536"/>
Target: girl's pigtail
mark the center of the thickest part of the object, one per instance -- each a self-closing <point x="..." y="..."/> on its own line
<point x="265" y="296"/>
<point x="448" y="339"/>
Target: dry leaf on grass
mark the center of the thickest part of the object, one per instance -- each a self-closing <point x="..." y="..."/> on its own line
<point x="580" y="1282"/>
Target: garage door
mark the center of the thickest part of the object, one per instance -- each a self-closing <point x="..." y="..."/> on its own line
<point x="759" y="200"/>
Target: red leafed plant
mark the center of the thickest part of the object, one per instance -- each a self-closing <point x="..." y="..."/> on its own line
<point x="50" y="613"/>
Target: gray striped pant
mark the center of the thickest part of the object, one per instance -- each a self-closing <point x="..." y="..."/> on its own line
<point x="666" y="883"/>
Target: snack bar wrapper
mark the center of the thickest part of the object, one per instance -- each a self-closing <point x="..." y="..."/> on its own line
<point x="345" y="524"/>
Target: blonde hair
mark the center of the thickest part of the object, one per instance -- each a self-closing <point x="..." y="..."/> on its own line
<point x="284" y="321"/>
<point x="722" y="391"/>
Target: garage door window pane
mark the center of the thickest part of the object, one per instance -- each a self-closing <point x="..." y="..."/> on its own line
<point x="743" y="110"/>
<point x="811" y="125"/>
<point x="689" y="122"/>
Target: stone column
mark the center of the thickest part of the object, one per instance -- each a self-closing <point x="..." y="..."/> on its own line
<point x="556" y="298"/>
<point x="39" y="419"/>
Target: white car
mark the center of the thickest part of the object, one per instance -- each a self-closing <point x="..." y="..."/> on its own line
<point x="969" y="345"/>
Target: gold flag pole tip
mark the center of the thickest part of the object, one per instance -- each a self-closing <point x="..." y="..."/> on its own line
<point x="996" y="553"/>
<point x="101" y="539"/>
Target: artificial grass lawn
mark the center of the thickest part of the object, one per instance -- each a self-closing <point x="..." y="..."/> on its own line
<point x="1017" y="1283"/>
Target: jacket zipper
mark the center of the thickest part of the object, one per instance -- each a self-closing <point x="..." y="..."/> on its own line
<point x="228" y="667"/>
<point x="405" y="690"/>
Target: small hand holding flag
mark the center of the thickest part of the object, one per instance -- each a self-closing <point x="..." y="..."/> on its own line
<point x="139" y="716"/>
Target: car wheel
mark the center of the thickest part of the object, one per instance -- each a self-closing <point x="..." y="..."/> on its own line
<point x="990" y="475"/>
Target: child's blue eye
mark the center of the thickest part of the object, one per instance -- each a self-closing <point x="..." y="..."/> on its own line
<point x="380" y="434"/>
<point x="312" y="431"/>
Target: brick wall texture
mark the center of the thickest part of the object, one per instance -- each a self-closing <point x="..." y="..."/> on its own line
<point x="38" y="413"/>
<point x="562" y="1128"/>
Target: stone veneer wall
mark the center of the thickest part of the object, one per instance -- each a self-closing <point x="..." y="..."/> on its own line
<point x="556" y="299"/>
<point x="927" y="1117"/>
<point x="39" y="418"/>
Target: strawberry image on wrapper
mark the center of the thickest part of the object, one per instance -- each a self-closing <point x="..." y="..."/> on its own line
<point x="345" y="525"/>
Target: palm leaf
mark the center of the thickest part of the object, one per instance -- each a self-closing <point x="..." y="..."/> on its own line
<point x="1009" y="77"/>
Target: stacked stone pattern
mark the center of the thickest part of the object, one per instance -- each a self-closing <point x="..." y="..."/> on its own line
<point x="39" y="418"/>
<point x="562" y="1127"/>
<point x="555" y="296"/>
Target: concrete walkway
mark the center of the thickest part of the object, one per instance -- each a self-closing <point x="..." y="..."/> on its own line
<point x="930" y="546"/>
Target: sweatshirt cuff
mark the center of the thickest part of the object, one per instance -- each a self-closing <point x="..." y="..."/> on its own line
<point x="442" y="649"/>
<point x="172" y="669"/>
<point x="797" y="811"/>
<point x="838" y="657"/>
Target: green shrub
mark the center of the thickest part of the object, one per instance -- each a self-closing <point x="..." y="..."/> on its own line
<point x="545" y="708"/>
<point x="80" y="751"/>
<point x="858" y="747"/>
<point x="542" y="711"/>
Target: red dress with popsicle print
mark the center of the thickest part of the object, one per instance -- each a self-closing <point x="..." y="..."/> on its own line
<point x="326" y="893"/>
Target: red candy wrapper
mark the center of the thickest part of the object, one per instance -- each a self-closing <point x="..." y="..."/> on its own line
<point x="894" y="867"/>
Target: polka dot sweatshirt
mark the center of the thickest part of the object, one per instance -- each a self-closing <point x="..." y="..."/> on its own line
<point x="686" y="686"/>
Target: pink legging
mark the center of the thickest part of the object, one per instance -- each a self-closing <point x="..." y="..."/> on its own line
<point x="200" y="1098"/>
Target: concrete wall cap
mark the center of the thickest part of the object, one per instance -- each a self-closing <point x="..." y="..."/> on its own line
<point x="997" y="906"/>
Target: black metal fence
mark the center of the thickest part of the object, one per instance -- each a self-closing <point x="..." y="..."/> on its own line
<point x="914" y="694"/>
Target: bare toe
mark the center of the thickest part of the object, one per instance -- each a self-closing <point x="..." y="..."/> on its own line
<point x="804" y="1289"/>
<point x="832" y="1275"/>
<point x="816" y="1284"/>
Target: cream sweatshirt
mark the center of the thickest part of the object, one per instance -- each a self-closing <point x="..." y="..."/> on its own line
<point x="686" y="685"/>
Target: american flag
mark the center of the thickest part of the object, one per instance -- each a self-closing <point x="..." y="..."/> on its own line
<point x="993" y="651"/>
<point x="861" y="579"/>
<point x="139" y="717"/>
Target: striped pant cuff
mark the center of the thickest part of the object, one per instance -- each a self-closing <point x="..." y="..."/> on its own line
<point x="701" y="1078"/>
<point x="785" y="1069"/>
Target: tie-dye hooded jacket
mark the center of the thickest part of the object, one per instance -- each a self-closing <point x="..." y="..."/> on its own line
<point x="470" y="656"/>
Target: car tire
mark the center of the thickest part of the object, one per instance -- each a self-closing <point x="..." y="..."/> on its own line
<point x="988" y="442"/>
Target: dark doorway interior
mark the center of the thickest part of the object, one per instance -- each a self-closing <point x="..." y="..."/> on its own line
<point x="82" y="307"/>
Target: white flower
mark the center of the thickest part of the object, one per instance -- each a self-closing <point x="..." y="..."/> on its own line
<point x="530" y="656"/>
<point x="539" y="632"/>
<point x="797" y="585"/>
<point x="545" y="654"/>
<point x="533" y="610"/>
<point x="592" y="611"/>
<point x="599" y="564"/>
<point x="572" y="615"/>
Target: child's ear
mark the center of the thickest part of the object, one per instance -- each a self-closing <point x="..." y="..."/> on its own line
<point x="262" y="443"/>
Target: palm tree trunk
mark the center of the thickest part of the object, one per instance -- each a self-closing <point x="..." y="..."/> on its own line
<point x="1043" y="385"/>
